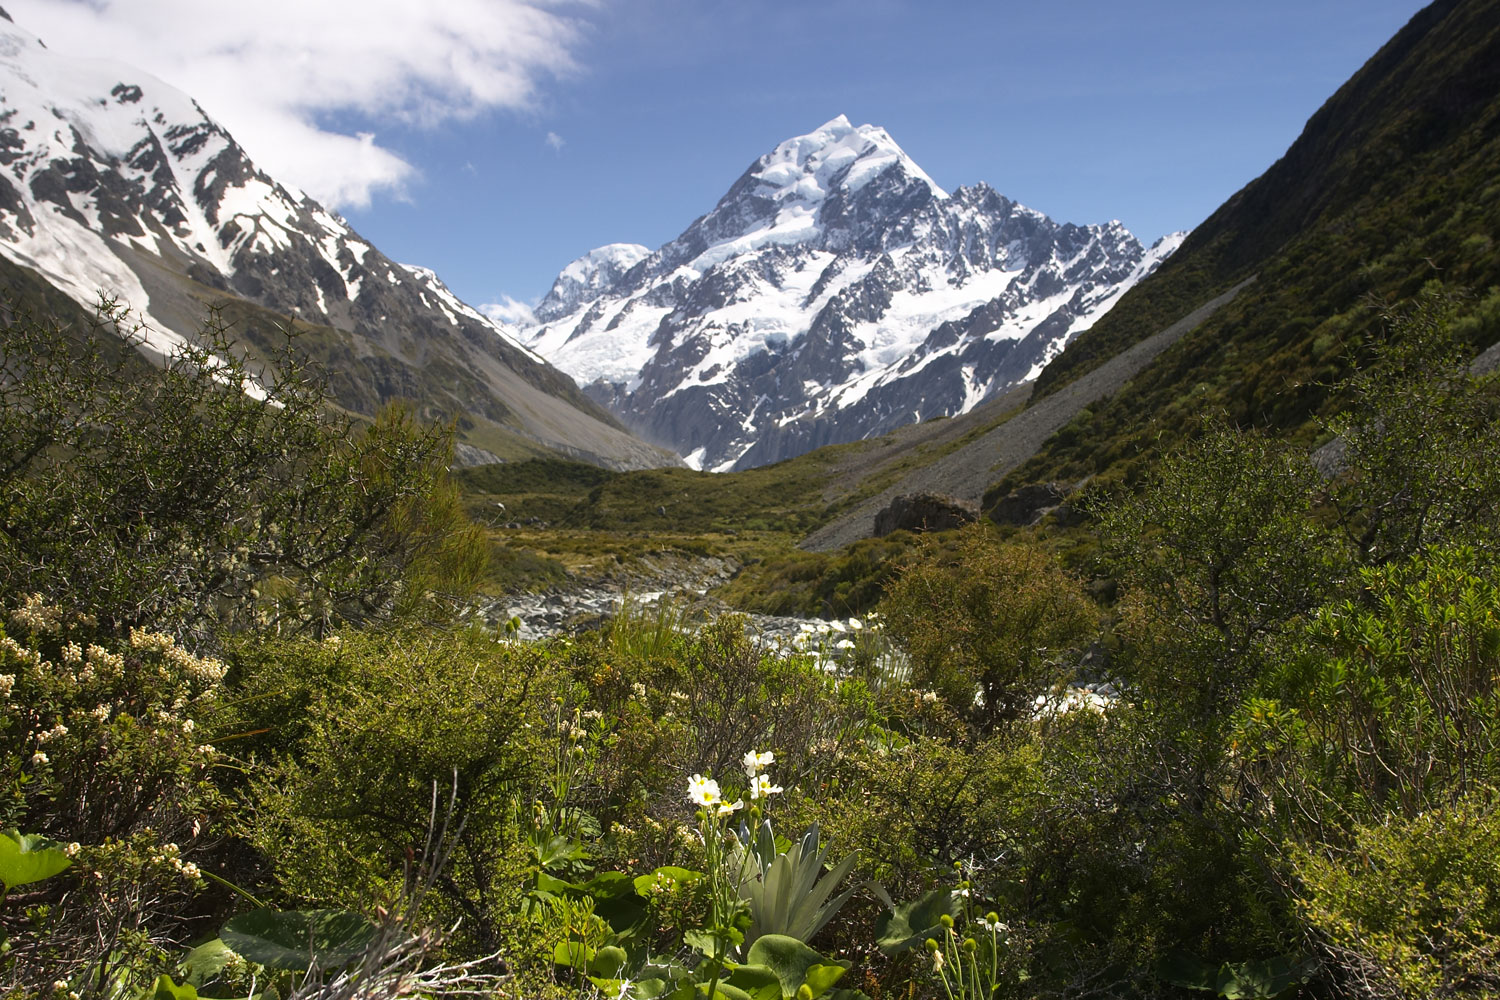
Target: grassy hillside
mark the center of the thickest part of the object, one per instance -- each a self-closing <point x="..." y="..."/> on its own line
<point x="1391" y="186"/>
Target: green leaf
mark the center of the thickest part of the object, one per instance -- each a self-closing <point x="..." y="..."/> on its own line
<point x="645" y="883"/>
<point x="29" y="857"/>
<point x="608" y="962"/>
<point x="908" y="925"/>
<point x="165" y="989"/>
<point x="1264" y="979"/>
<point x="790" y="959"/>
<point x="294" y="939"/>
<point x="573" y="955"/>
<point x="206" y="961"/>
<point x="820" y="978"/>
<point x="727" y="991"/>
<point x="758" y="981"/>
<point x="1182" y="969"/>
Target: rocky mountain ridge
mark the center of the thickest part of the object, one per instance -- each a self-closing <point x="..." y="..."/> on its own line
<point x="115" y="183"/>
<point x="835" y="292"/>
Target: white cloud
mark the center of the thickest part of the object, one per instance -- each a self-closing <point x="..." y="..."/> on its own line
<point x="556" y="141"/>
<point x="273" y="71"/>
<point x="509" y="310"/>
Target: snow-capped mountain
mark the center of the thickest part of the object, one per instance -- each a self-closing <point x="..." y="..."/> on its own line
<point x="835" y="292"/>
<point x="112" y="181"/>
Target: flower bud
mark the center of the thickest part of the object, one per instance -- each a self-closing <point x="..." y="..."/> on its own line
<point x="946" y="921"/>
<point x="930" y="944"/>
<point x="970" y="946"/>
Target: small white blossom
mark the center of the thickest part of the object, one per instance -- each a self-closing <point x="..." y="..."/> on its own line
<point x="703" y="791"/>
<point x="758" y="762"/>
<point x="855" y="624"/>
<point x="40" y="758"/>
<point x="762" y="788"/>
<point x="728" y="808"/>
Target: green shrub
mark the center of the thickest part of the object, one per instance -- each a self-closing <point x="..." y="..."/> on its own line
<point x="1412" y="907"/>
<point x="994" y="618"/>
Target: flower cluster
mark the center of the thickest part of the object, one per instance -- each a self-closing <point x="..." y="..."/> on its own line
<point x="705" y="792"/>
<point x="36" y="615"/>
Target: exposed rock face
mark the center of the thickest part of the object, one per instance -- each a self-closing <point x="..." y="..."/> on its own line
<point x="835" y="292"/>
<point x="114" y="180"/>
<point x="925" y="512"/>
<point x="1028" y="504"/>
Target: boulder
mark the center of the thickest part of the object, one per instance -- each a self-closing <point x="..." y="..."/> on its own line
<point x="1027" y="504"/>
<point x="925" y="512"/>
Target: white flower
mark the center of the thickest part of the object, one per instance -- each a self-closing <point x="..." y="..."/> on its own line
<point x="703" y="791"/>
<point x="39" y="758"/>
<point x="835" y="626"/>
<point x="727" y="808"/>
<point x="930" y="697"/>
<point x="844" y="644"/>
<point x="757" y="762"/>
<point x="855" y="624"/>
<point x="937" y="961"/>
<point x="761" y="787"/>
<point x="638" y="689"/>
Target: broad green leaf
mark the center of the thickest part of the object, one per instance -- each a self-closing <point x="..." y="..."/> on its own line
<point x="206" y="961"/>
<point x="1264" y="979"/>
<point x="609" y="885"/>
<point x="726" y="991"/>
<point x="789" y="958"/>
<point x="294" y="939"/>
<point x="573" y="955"/>
<point x="165" y="989"/>
<point x="758" y="981"/>
<point x="608" y="961"/>
<point x="645" y="883"/>
<point x="908" y="925"/>
<point x="820" y="978"/>
<point x="29" y="857"/>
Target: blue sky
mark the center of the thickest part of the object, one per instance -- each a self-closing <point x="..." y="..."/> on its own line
<point x="510" y="136"/>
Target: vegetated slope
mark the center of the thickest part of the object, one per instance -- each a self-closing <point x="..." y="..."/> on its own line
<point x="834" y="293"/>
<point x="1394" y="183"/>
<point x="115" y="182"/>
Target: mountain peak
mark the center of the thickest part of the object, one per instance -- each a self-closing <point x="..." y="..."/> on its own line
<point x="835" y="155"/>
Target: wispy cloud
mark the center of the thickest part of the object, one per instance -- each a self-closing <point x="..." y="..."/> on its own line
<point x="275" y="71"/>
<point x="509" y="310"/>
<point x="556" y="141"/>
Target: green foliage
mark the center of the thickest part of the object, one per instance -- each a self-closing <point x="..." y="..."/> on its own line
<point x="789" y="892"/>
<point x="298" y="940"/>
<point x="26" y="858"/>
<point x="1421" y="456"/>
<point x="1392" y="707"/>
<point x="351" y="734"/>
<point x="997" y="617"/>
<point x="1412" y="908"/>
<point x="1217" y="552"/>
<point x="907" y="925"/>
<point x="210" y="491"/>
